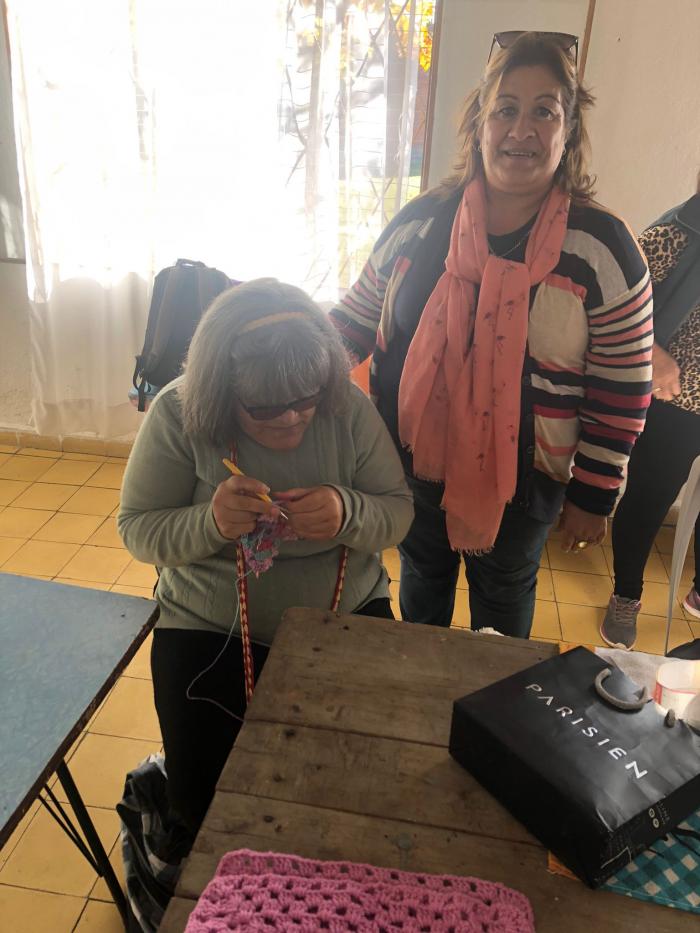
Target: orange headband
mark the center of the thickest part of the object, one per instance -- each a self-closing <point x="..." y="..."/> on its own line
<point x="272" y="319"/>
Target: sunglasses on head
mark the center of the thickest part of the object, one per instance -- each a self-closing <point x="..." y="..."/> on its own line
<point x="270" y="412"/>
<point x="564" y="40"/>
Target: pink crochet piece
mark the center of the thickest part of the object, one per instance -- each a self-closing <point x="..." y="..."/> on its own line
<point x="266" y="891"/>
<point x="260" y="547"/>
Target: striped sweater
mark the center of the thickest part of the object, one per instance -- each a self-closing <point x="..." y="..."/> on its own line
<point x="587" y="371"/>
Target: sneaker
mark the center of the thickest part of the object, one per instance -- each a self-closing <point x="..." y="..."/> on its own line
<point x="692" y="603"/>
<point x="619" y="628"/>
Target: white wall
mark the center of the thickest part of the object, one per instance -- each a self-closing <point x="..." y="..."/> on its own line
<point x="643" y="66"/>
<point x="467" y="30"/>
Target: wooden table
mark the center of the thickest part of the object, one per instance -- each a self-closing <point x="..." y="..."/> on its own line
<point x="344" y="756"/>
<point x="62" y="649"/>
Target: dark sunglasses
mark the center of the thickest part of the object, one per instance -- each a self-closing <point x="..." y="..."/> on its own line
<point x="270" y="412"/>
<point x="566" y="42"/>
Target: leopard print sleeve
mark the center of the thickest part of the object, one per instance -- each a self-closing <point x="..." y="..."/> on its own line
<point x="663" y="245"/>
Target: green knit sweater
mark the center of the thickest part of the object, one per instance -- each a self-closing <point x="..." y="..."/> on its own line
<point x="166" y="516"/>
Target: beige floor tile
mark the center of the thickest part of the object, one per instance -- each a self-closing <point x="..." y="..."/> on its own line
<point x="107" y="535"/>
<point x="33" y="576"/>
<point x="651" y="634"/>
<point x="654" y="600"/>
<point x="688" y="574"/>
<point x="46" y="859"/>
<point x="8" y="448"/>
<point x="591" y="560"/>
<point x="24" y="911"/>
<point x="68" y="528"/>
<point x="22" y="523"/>
<point x="10" y="489"/>
<point x="664" y="539"/>
<point x="39" y="452"/>
<point x="580" y="625"/>
<point x="85" y="445"/>
<point x="100" y="564"/>
<point x="462" y="583"/>
<point x="119" y="449"/>
<point x="694" y="627"/>
<point x="92" y="501"/>
<point x="546" y="621"/>
<point x="85" y="584"/>
<point x="545" y="586"/>
<point x="145" y="591"/>
<point x="71" y="472"/>
<point x="391" y="561"/>
<point x="100" y="891"/>
<point x="583" y="589"/>
<point x="9" y="546"/>
<point x="45" y="496"/>
<point x="100" y="917"/>
<point x="137" y="574"/>
<point x="17" y="834"/>
<point x="109" y="475"/>
<point x="100" y="765"/>
<point x="42" y="558"/>
<point x="129" y="712"/>
<point x="654" y="572"/>
<point x="461" y="615"/>
<point x="140" y="665"/>
<point x="84" y="458"/>
<point x="4" y="458"/>
<point x="51" y="443"/>
<point x="24" y="468"/>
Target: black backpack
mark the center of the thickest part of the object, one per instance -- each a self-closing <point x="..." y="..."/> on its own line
<point x="181" y="295"/>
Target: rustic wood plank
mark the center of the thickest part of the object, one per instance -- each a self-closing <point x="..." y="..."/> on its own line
<point x="177" y="915"/>
<point x="378" y="677"/>
<point x="365" y="775"/>
<point x="236" y="821"/>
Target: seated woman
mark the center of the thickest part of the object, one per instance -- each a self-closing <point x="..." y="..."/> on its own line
<point x="266" y="384"/>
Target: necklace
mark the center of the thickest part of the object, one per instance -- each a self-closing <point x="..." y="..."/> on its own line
<point x="512" y="248"/>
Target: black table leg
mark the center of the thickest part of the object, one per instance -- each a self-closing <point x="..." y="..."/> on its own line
<point x="101" y="858"/>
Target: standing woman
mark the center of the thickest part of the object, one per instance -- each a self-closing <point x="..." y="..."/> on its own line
<point x="509" y="318"/>
<point x="664" y="455"/>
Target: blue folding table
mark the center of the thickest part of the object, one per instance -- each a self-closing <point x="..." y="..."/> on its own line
<point x="62" y="648"/>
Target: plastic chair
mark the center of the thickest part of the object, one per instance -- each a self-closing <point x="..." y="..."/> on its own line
<point x="690" y="508"/>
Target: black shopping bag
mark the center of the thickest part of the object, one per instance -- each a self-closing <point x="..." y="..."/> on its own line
<point x="596" y="783"/>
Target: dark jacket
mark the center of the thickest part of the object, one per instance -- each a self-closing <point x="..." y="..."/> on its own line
<point x="679" y="293"/>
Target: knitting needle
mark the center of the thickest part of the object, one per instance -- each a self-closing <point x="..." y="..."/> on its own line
<point x="232" y="468"/>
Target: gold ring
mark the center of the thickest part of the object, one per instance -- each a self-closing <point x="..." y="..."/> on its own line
<point x="657" y="389"/>
<point x="581" y="545"/>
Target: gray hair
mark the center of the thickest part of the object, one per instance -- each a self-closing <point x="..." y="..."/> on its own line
<point x="229" y="360"/>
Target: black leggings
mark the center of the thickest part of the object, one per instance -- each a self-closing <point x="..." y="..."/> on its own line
<point x="658" y="467"/>
<point x="197" y="735"/>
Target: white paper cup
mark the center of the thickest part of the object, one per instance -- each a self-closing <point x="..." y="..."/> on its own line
<point x="677" y="682"/>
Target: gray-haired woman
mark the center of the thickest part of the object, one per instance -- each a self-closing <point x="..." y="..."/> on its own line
<point x="266" y="383"/>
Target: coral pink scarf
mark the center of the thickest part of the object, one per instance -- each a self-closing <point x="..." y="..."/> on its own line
<point x="459" y="398"/>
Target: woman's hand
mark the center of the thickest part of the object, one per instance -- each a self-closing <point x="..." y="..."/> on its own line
<point x="236" y="507"/>
<point x="579" y="526"/>
<point x="666" y="376"/>
<point x="316" y="514"/>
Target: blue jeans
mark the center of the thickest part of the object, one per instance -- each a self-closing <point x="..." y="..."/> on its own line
<point x="502" y="583"/>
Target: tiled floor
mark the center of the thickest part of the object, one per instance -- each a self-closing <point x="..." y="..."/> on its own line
<point x="57" y="522"/>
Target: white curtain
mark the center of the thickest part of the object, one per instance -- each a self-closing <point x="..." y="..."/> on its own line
<point x="263" y="138"/>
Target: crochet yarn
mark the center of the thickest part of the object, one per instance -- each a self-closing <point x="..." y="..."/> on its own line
<point x="254" y="891"/>
<point x="261" y="546"/>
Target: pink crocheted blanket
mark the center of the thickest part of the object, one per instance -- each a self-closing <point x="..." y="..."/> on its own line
<point x="266" y="891"/>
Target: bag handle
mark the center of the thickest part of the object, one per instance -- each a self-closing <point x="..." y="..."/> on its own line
<point x="618" y="702"/>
